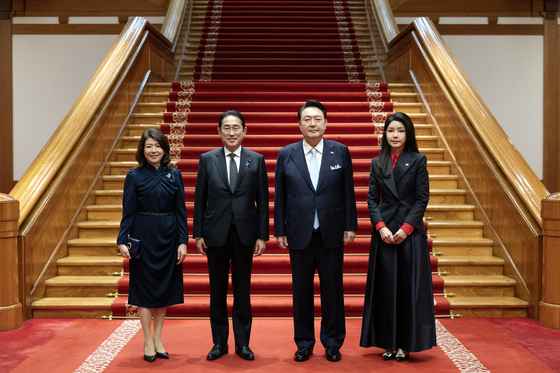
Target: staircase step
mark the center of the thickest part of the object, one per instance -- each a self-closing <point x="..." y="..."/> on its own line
<point x="470" y="266"/>
<point x="462" y="246"/>
<point x="81" y="286"/>
<point x="489" y="306"/>
<point x="91" y="265"/>
<point x="479" y="286"/>
<point x="76" y="307"/>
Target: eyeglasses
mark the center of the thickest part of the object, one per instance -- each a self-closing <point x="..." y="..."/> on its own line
<point x="227" y="129"/>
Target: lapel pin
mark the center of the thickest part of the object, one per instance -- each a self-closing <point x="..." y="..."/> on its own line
<point x="332" y="152"/>
<point x="406" y="164"/>
<point x="169" y="175"/>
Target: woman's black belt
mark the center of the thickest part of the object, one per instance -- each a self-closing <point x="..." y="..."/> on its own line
<point x="154" y="213"/>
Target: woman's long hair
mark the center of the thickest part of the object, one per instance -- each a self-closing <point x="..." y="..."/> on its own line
<point x="152" y="133"/>
<point x="410" y="144"/>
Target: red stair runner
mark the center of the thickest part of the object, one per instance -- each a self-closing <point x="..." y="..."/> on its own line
<point x="265" y="58"/>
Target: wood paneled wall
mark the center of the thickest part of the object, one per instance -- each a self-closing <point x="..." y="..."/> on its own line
<point x="6" y="107"/>
<point x="551" y="109"/>
<point x="517" y="236"/>
<point x="10" y="307"/>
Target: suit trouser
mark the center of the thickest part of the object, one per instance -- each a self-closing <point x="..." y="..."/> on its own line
<point x="329" y="263"/>
<point x="241" y="258"/>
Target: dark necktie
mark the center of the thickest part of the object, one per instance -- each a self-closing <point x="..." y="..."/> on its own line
<point x="232" y="172"/>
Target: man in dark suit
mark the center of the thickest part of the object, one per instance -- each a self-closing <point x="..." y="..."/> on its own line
<point x="315" y="216"/>
<point x="229" y="228"/>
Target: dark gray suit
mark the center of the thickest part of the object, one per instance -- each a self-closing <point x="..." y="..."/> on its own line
<point x="230" y="224"/>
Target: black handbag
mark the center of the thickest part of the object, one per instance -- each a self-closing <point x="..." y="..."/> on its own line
<point x="134" y="247"/>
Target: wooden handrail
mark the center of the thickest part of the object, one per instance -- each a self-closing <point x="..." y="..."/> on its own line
<point x="172" y="24"/>
<point x="516" y="169"/>
<point x="385" y="20"/>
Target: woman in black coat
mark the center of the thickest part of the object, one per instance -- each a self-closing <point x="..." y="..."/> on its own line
<point x="398" y="309"/>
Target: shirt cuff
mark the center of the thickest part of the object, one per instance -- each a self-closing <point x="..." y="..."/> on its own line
<point x="407" y="228"/>
<point x="380" y="225"/>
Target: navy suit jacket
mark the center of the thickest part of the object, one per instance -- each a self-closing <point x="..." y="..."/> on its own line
<point x="404" y="195"/>
<point x="215" y="203"/>
<point x="295" y="199"/>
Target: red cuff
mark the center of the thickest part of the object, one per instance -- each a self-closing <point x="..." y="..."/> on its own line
<point x="379" y="225"/>
<point x="407" y="228"/>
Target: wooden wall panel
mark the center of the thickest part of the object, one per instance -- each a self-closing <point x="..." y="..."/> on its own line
<point x="6" y="107"/>
<point x="10" y="307"/>
<point x="90" y="8"/>
<point x="551" y="107"/>
<point x="517" y="241"/>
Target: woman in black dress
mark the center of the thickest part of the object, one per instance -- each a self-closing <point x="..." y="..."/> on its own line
<point x="154" y="212"/>
<point x="398" y="309"/>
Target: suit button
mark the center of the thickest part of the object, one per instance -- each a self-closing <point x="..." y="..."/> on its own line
<point x="313" y="211"/>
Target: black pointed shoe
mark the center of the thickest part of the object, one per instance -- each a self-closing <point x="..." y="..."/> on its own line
<point x="149" y="358"/>
<point x="217" y="351"/>
<point x="389" y="355"/>
<point x="333" y="354"/>
<point x="162" y="355"/>
<point x="244" y="352"/>
<point x="402" y="357"/>
<point x="303" y="354"/>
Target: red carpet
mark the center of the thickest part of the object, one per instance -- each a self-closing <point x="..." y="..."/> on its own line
<point x="265" y="59"/>
<point x="464" y="345"/>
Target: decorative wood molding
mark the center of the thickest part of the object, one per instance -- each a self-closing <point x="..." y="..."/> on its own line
<point x="551" y="109"/>
<point x="10" y="307"/>
<point x="66" y="29"/>
<point x="6" y="107"/>
<point x="549" y="316"/>
<point x="491" y="29"/>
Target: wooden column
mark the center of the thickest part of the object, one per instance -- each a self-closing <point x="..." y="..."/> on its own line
<point x="551" y="109"/>
<point x="6" y="101"/>
<point x="10" y="307"/>
<point x="549" y="306"/>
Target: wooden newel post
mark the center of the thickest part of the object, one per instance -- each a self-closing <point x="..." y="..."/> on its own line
<point x="10" y="307"/>
<point x="549" y="306"/>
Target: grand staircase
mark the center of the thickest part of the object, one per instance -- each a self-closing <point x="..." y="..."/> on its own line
<point x="265" y="58"/>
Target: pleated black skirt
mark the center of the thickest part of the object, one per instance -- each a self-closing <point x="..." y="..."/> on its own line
<point x="399" y="304"/>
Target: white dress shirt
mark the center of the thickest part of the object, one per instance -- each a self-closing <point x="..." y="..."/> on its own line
<point x="307" y="151"/>
<point x="237" y="159"/>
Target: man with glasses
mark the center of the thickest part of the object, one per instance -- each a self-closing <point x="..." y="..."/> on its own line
<point x="229" y="229"/>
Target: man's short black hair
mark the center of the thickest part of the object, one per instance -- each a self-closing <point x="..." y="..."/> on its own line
<point x="312" y="103"/>
<point x="233" y="113"/>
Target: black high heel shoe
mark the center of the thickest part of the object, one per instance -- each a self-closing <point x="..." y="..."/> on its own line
<point x="149" y="358"/>
<point x="162" y="355"/>
<point x="389" y="355"/>
<point x="402" y="357"/>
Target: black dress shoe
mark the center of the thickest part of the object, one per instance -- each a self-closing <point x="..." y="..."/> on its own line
<point x="162" y="355"/>
<point x="402" y="357"/>
<point x="244" y="352"/>
<point x="389" y="355"/>
<point x="332" y="353"/>
<point x="217" y="351"/>
<point x="303" y="354"/>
